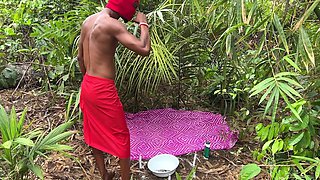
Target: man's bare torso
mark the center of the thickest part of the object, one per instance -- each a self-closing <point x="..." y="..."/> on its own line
<point x="99" y="45"/>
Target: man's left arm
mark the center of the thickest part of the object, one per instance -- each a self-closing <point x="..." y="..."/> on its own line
<point x="80" y="53"/>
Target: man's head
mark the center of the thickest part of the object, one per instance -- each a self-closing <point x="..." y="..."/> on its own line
<point x="125" y="8"/>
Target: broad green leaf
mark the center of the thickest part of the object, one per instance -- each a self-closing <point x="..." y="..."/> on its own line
<point x="178" y="177"/>
<point x="59" y="69"/>
<point x="271" y="132"/>
<point x="306" y="159"/>
<point x="298" y="126"/>
<point x="7" y="144"/>
<point x="297" y="177"/>
<point x="306" y="15"/>
<point x="299" y="103"/>
<point x="276" y="129"/>
<point x="293" y="64"/>
<point x="279" y="27"/>
<point x="271" y="100"/>
<point x="57" y="147"/>
<point x="9" y="31"/>
<point x="275" y="147"/>
<point x="306" y="140"/>
<point x="13" y="123"/>
<point x="285" y="74"/>
<point x="274" y="172"/>
<point x="51" y="137"/>
<point x="299" y="166"/>
<point x="289" y="90"/>
<point x="21" y="121"/>
<point x="259" y="126"/>
<point x="36" y="170"/>
<point x="295" y="139"/>
<point x="4" y="124"/>
<point x="307" y="45"/>
<point x="261" y="88"/>
<point x="291" y="81"/>
<point x="60" y="129"/>
<point x="262" y="85"/>
<point x="249" y="171"/>
<point x="307" y="177"/>
<point x="191" y="174"/>
<point x="285" y="98"/>
<point x="58" y="138"/>
<point x="264" y="133"/>
<point x="76" y="104"/>
<point x="281" y="143"/>
<point x="69" y="107"/>
<point x="65" y="77"/>
<point x="24" y="141"/>
<point x="317" y="173"/>
<point x="252" y="10"/>
<point x="266" y="93"/>
<point x="266" y="145"/>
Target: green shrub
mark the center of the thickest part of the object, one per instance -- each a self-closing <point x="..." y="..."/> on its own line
<point x="19" y="149"/>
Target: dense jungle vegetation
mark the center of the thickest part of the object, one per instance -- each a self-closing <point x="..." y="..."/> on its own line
<point x="255" y="61"/>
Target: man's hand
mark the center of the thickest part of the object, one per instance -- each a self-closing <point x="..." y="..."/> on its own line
<point x="141" y="18"/>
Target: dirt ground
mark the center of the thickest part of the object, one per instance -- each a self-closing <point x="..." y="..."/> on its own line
<point x="46" y="110"/>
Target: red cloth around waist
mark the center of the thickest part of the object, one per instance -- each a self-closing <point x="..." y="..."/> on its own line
<point x="104" y="124"/>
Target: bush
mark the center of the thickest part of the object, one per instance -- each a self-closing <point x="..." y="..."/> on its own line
<point x="20" y="149"/>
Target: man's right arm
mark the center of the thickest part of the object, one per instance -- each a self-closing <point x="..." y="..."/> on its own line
<point x="140" y="46"/>
<point x="80" y="52"/>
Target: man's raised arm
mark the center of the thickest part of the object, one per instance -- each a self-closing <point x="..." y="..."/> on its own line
<point x="140" y="46"/>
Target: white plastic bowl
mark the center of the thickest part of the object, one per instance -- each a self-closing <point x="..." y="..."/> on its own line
<point x="163" y="165"/>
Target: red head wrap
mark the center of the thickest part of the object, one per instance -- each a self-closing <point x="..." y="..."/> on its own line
<point x="125" y="8"/>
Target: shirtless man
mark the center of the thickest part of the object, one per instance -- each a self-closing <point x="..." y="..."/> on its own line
<point x="104" y="125"/>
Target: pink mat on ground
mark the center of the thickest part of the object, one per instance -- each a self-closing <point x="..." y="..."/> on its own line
<point x="177" y="132"/>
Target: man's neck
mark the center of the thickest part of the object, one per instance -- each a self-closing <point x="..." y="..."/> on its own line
<point x="111" y="13"/>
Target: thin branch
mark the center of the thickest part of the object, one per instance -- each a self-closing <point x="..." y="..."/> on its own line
<point x="33" y="63"/>
<point x="25" y="72"/>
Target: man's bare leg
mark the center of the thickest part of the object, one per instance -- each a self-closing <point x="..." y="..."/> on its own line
<point x="99" y="157"/>
<point x="125" y="169"/>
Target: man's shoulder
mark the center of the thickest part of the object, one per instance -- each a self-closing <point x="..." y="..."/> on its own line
<point x="111" y="25"/>
<point x="88" y="19"/>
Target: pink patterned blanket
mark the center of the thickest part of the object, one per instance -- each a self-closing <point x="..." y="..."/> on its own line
<point x="177" y="132"/>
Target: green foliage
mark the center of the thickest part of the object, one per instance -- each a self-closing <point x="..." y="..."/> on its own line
<point x="44" y="33"/>
<point x="73" y="112"/>
<point x="20" y="149"/>
<point x="298" y="137"/>
<point x="189" y="176"/>
<point x="256" y="59"/>
<point x="314" y="166"/>
<point x="249" y="171"/>
<point x="279" y="85"/>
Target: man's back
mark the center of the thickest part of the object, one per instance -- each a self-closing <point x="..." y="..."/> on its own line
<point x="100" y="34"/>
<point x="99" y="45"/>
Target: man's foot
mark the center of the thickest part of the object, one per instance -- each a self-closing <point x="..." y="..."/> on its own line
<point x="109" y="175"/>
